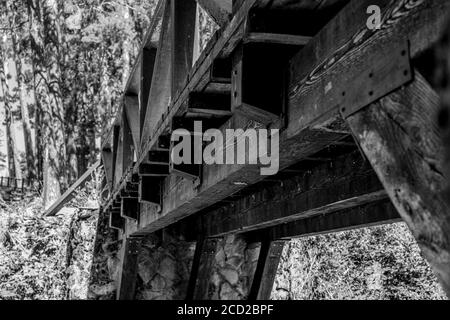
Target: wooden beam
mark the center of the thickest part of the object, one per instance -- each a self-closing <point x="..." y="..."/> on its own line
<point x="69" y="194"/>
<point x="115" y="219"/>
<point x="275" y="38"/>
<point x="199" y="281"/>
<point x="368" y="215"/>
<point x="131" y="106"/>
<point x="127" y="144"/>
<point x="150" y="190"/>
<point x="332" y="54"/>
<point x="402" y="141"/>
<point x="160" y="90"/>
<point x="193" y="278"/>
<point x="126" y="283"/>
<point x="183" y="20"/>
<point x="344" y="183"/>
<point x="266" y="269"/>
<point x="219" y="10"/>
<point x="130" y="208"/>
<point x="153" y="170"/>
<point x="107" y="161"/>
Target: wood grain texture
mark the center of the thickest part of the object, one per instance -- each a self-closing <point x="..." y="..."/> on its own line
<point x="344" y="183"/>
<point x="401" y="138"/>
<point x="266" y="269"/>
<point x="127" y="275"/>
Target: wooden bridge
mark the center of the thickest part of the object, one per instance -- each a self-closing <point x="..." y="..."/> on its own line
<point x="357" y="111"/>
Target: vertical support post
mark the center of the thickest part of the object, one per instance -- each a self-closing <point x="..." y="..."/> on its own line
<point x="266" y="269"/>
<point x="126" y="283"/>
<point x="148" y="64"/>
<point x="183" y="27"/>
<point x="401" y="139"/>
<point x="202" y="267"/>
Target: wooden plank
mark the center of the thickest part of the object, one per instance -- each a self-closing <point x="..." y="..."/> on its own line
<point x="150" y="190"/>
<point x="107" y="161"/>
<point x="193" y="278"/>
<point x="275" y="38"/>
<point x="127" y="145"/>
<point x="205" y="268"/>
<point x="131" y="106"/>
<point x="126" y="283"/>
<point x="266" y="269"/>
<point x="183" y="19"/>
<point x="69" y="194"/>
<point x="153" y="170"/>
<point x="148" y="63"/>
<point x="160" y="91"/>
<point x="343" y="183"/>
<point x="115" y="149"/>
<point x="118" y="164"/>
<point x="219" y="10"/>
<point x="402" y="141"/>
<point x="320" y="126"/>
<point x="115" y="220"/>
<point x="369" y="215"/>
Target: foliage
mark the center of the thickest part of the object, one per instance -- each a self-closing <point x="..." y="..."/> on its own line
<point x="382" y="262"/>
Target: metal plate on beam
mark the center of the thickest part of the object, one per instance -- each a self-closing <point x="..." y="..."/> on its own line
<point x="388" y="70"/>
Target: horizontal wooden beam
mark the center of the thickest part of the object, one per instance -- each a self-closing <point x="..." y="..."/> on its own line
<point x="344" y="183"/>
<point x="369" y="215"/>
<point x="275" y="38"/>
<point x="310" y="129"/>
<point x="219" y="10"/>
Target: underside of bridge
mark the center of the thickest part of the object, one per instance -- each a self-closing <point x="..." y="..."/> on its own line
<point x="363" y="132"/>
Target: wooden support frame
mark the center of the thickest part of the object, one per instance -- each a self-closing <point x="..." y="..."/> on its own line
<point x="202" y="268"/>
<point x="126" y="283"/>
<point x="344" y="183"/>
<point x="131" y="116"/>
<point x="372" y="214"/>
<point x="266" y="269"/>
<point x="184" y="13"/>
<point x="150" y="190"/>
<point x="130" y="208"/>
<point x="148" y="64"/>
<point x="115" y="219"/>
<point x="402" y="141"/>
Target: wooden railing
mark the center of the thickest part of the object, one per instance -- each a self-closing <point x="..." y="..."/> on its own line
<point x="13" y="183"/>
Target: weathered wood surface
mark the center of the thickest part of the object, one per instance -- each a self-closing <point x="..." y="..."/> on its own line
<point x="401" y="138"/>
<point x="342" y="49"/>
<point x="127" y="275"/>
<point x="344" y="183"/>
<point x="200" y="279"/>
<point x="266" y="269"/>
<point x="377" y="213"/>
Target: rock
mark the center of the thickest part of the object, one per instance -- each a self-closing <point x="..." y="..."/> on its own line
<point x="150" y="295"/>
<point x="158" y="283"/>
<point x="228" y="293"/>
<point x="146" y="270"/>
<point x="103" y="290"/>
<point x="230" y="275"/>
<point x="167" y="268"/>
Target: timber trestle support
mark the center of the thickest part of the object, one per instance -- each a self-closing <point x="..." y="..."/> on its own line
<point x="357" y="111"/>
